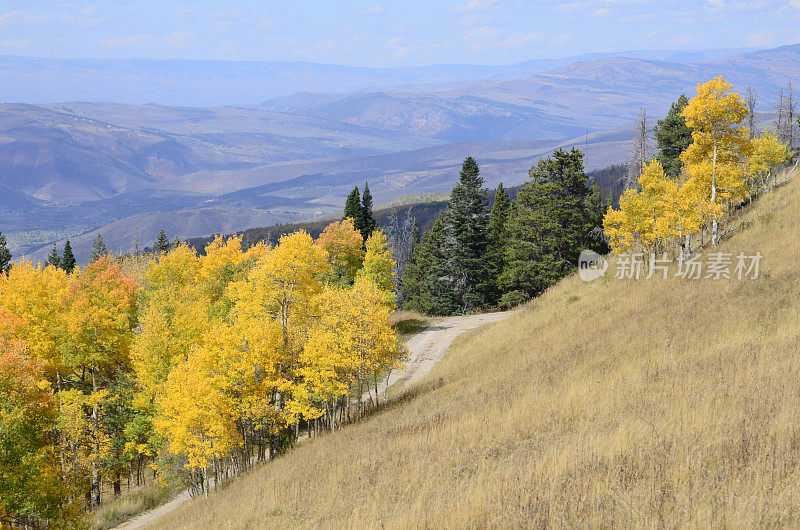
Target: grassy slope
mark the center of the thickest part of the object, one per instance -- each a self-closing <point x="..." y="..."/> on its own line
<point x="655" y="403"/>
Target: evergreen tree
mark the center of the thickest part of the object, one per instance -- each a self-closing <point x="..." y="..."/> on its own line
<point x="162" y="243"/>
<point x="368" y="223"/>
<point x="98" y="249"/>
<point x="498" y="223"/>
<point x="673" y="136"/>
<point x="68" y="258"/>
<point x="414" y="236"/>
<point x="5" y="255"/>
<point x="466" y="242"/>
<point x="421" y="290"/>
<point x="551" y="223"/>
<point x="352" y="209"/>
<point x="54" y="258"/>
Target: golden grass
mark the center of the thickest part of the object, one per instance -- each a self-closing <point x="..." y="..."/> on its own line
<point x="614" y="403"/>
<point x="129" y="505"/>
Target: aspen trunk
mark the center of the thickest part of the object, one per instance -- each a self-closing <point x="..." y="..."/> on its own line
<point x="714" y="224"/>
<point x="96" y="432"/>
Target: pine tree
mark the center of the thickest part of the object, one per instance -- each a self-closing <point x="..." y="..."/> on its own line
<point x="5" y="255"/>
<point x="352" y="209"/>
<point x="162" y="243"/>
<point x="68" y="258"/>
<point x="98" y="249"/>
<point x="498" y="223"/>
<point x="422" y="290"/>
<point x="54" y="258"/>
<point x="368" y="223"/>
<point x="672" y="137"/>
<point x="466" y="242"/>
<point x="550" y="225"/>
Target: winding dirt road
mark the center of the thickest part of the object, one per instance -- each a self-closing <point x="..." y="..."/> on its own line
<point x="425" y="350"/>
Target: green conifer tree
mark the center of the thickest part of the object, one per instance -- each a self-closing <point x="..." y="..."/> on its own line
<point x="162" y="243"/>
<point x="672" y="137"/>
<point x="421" y="292"/>
<point x="98" y="249"/>
<point x="498" y="229"/>
<point x="68" y="258"/>
<point x="368" y="223"/>
<point x="551" y="224"/>
<point x="352" y="209"/>
<point x="465" y="264"/>
<point x="54" y="258"/>
<point x="5" y="255"/>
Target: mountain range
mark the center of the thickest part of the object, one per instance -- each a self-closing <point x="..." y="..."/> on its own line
<point x="125" y="169"/>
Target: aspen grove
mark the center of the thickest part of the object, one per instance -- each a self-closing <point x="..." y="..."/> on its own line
<point x="200" y="367"/>
<point x="721" y="168"/>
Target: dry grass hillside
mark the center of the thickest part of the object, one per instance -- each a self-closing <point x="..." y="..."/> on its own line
<point x="614" y="403"/>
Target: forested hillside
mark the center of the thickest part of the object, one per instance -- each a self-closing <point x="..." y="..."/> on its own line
<point x="204" y="366"/>
<point x="621" y="402"/>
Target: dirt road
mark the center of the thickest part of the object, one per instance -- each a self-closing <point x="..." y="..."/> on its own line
<point x="428" y="347"/>
<point x="425" y="350"/>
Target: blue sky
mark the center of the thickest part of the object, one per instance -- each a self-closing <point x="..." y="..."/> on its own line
<point x="385" y="33"/>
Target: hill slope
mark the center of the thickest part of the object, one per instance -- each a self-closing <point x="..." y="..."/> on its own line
<point x="613" y="403"/>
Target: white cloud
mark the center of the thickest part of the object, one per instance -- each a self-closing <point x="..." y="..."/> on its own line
<point x="520" y="40"/>
<point x="178" y="39"/>
<point x="17" y="44"/>
<point x="371" y="10"/>
<point x="477" y="5"/>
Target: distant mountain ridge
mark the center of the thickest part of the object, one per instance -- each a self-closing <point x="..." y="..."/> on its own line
<point x="79" y="168"/>
<point x="203" y="83"/>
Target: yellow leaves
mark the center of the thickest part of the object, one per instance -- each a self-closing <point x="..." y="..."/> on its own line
<point x="282" y="282"/>
<point x="767" y="152"/>
<point x="653" y="217"/>
<point x="352" y="338"/>
<point x="342" y="244"/>
<point x="379" y="265"/>
<point x="714" y="111"/>
<point x="32" y="309"/>
<point x="715" y="159"/>
<point x="102" y="312"/>
<point x="195" y="417"/>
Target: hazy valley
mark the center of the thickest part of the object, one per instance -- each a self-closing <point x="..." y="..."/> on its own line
<point x="76" y="169"/>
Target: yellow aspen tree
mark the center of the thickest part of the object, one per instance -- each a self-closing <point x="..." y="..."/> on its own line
<point x="30" y="477"/>
<point x="224" y="262"/>
<point x="173" y="317"/>
<point x="102" y="314"/>
<point x="641" y="217"/>
<point x="714" y="160"/>
<point x="343" y="245"/>
<point x="379" y="266"/>
<point x="767" y="153"/>
<point x="272" y="310"/>
<point x="35" y="296"/>
<point x="197" y="420"/>
<point x="352" y="342"/>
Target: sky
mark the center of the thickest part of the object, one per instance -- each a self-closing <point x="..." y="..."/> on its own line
<point x="385" y="33"/>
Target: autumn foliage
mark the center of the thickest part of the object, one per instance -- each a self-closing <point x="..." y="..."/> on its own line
<point x="203" y="366"/>
<point x="722" y="168"/>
